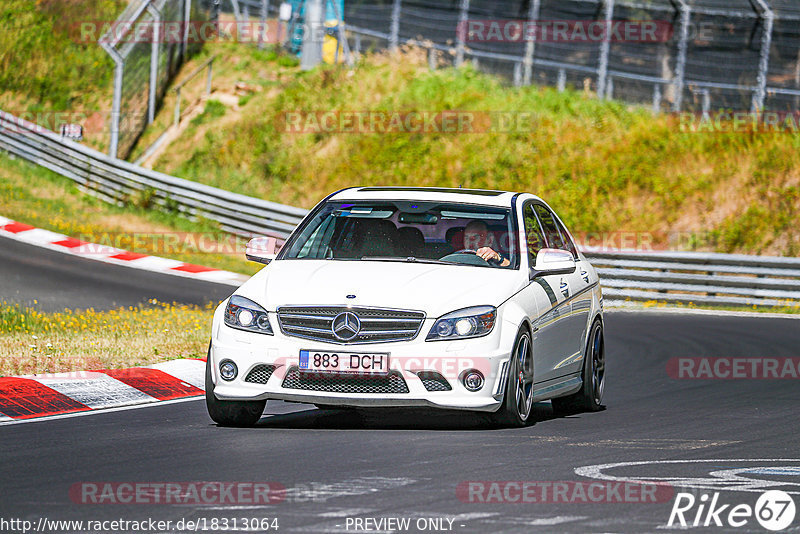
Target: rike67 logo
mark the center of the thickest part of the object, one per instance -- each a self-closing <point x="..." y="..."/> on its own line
<point x="774" y="510"/>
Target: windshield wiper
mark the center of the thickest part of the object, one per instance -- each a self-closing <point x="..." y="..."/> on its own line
<point x="408" y="259"/>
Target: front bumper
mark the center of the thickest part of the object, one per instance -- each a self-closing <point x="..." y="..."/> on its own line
<point x="407" y="360"/>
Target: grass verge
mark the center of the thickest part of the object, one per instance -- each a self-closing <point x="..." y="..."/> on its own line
<point x="32" y="342"/>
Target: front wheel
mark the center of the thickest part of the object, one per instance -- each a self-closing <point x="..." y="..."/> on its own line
<point x="518" y="400"/>
<point x="231" y="413"/>
<point x="590" y="396"/>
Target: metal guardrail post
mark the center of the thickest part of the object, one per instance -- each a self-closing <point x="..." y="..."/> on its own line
<point x="768" y="16"/>
<point x="680" y="61"/>
<point x="656" y="98"/>
<point x="394" y="28"/>
<point x="177" y="116"/>
<point x="210" y="75"/>
<point x="602" y="68"/>
<point x="432" y="59"/>
<point x="461" y="31"/>
<point x="530" y="44"/>
<point x="561" y="82"/>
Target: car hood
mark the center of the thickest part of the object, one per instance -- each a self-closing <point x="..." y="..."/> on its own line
<point x="434" y="289"/>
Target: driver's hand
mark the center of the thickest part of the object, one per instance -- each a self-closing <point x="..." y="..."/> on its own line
<point x="487" y="253"/>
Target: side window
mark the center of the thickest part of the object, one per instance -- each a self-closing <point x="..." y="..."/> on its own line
<point x="551" y="233"/>
<point x="533" y="233"/>
<point x="567" y="240"/>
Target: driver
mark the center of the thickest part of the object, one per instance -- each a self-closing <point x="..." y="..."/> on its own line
<point x="477" y="233"/>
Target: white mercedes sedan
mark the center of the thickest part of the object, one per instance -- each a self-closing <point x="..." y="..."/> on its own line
<point x="391" y="297"/>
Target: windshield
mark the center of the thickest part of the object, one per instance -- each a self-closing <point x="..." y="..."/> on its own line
<point x="424" y="232"/>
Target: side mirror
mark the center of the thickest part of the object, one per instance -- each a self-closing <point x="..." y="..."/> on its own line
<point x="261" y="249"/>
<point x="553" y="261"/>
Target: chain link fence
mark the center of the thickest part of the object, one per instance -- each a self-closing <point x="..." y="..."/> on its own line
<point x="715" y="54"/>
<point x="145" y="62"/>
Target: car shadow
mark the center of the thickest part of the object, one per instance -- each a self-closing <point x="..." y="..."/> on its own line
<point x="311" y="418"/>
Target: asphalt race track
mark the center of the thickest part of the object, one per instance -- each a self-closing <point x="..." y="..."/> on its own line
<point x="340" y="465"/>
<point x="58" y="281"/>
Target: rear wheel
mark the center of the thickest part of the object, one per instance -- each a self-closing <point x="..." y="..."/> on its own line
<point x="518" y="400"/>
<point x="590" y="396"/>
<point x="231" y="413"/>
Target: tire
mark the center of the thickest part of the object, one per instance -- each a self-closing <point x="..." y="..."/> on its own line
<point x="231" y="413"/>
<point x="518" y="399"/>
<point x="590" y="396"/>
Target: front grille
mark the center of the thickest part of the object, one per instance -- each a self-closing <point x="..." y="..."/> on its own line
<point x="433" y="381"/>
<point x="377" y="325"/>
<point x="341" y="383"/>
<point x="260" y="374"/>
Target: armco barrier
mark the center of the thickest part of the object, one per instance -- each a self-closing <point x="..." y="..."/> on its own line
<point x="680" y="277"/>
<point x="117" y="181"/>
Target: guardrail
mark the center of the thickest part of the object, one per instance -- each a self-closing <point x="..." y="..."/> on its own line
<point x="679" y="277"/>
<point x="699" y="278"/>
<point x="119" y="181"/>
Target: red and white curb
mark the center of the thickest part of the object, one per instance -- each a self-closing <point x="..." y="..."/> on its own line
<point x="34" y="396"/>
<point x="69" y="245"/>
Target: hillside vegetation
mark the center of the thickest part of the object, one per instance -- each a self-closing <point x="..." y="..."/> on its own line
<point x="43" y="64"/>
<point x="605" y="166"/>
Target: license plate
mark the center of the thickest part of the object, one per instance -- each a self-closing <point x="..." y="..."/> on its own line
<point x="344" y="362"/>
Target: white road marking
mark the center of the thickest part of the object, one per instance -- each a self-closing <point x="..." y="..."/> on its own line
<point x="540" y="521"/>
<point x="717" y="481"/>
<point x="660" y="444"/>
<point x="347" y="512"/>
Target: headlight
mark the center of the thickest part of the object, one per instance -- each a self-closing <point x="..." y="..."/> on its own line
<point x="244" y="314"/>
<point x="466" y="323"/>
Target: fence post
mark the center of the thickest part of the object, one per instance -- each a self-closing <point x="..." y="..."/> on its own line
<point x="461" y="31"/>
<point x="768" y="16"/>
<point x="116" y="103"/>
<point x="561" y="82"/>
<point x="263" y="34"/>
<point x="602" y="68"/>
<point x="187" y="15"/>
<point x="530" y="40"/>
<point x="680" y="61"/>
<point x="151" y="104"/>
<point x="395" y="25"/>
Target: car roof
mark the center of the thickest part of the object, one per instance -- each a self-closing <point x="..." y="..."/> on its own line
<point x="484" y="197"/>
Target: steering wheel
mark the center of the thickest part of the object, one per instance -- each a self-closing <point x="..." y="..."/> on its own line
<point x="491" y="261"/>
